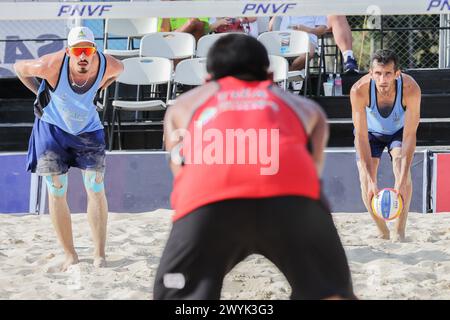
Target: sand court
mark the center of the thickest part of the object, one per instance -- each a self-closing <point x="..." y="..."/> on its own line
<point x="30" y="258"/>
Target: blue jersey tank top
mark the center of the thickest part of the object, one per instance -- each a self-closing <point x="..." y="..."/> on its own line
<point x="72" y="112"/>
<point x="395" y="121"/>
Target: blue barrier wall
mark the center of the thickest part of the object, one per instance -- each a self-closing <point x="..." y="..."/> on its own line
<point x="141" y="181"/>
<point x="342" y="187"/>
<point x="14" y="184"/>
<point x="134" y="182"/>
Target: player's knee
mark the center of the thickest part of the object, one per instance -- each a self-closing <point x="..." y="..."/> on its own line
<point x="396" y="164"/>
<point x="93" y="181"/>
<point x="363" y="179"/>
<point x="409" y="180"/>
<point x="57" y="186"/>
<point x="397" y="159"/>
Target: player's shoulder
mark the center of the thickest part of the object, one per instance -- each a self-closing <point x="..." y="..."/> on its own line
<point x="410" y="85"/>
<point x="292" y="98"/>
<point x="361" y="87"/>
<point x="112" y="61"/>
<point x="193" y="98"/>
<point x="297" y="102"/>
<point x="53" y="59"/>
<point x="50" y="64"/>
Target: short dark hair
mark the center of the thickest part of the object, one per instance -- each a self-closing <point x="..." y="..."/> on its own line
<point x="240" y="56"/>
<point x="385" y="56"/>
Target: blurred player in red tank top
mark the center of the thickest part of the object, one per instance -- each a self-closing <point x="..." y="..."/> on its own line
<point x="247" y="158"/>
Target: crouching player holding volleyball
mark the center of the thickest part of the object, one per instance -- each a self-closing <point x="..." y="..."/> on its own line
<point x="227" y="208"/>
<point x="386" y="113"/>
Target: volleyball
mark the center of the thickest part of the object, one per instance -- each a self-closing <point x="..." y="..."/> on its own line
<point x="387" y="204"/>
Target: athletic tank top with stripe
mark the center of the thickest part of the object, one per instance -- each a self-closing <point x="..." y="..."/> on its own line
<point x="389" y="125"/>
<point x="243" y="142"/>
<point x="72" y="112"/>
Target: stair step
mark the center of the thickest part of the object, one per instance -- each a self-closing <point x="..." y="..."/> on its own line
<point x="432" y="106"/>
<point x="422" y="120"/>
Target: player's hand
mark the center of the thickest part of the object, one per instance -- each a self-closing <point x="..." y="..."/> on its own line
<point x="401" y="188"/>
<point x="372" y="190"/>
<point x="229" y="21"/>
<point x="301" y="27"/>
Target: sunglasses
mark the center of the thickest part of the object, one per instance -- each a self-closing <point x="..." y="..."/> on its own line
<point x="88" y="51"/>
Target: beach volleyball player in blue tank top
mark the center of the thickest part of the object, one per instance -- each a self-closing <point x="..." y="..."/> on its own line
<point x="386" y="113"/>
<point x="67" y="131"/>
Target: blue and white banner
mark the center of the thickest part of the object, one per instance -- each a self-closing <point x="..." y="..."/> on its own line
<point x="174" y="9"/>
<point x="47" y="35"/>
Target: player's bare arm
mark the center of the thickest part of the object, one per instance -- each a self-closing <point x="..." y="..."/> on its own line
<point x="359" y="100"/>
<point x="46" y="67"/>
<point x="319" y="138"/>
<point x="318" y="131"/>
<point x="113" y="70"/>
<point x="314" y="121"/>
<point x="412" y="100"/>
<point x="178" y="117"/>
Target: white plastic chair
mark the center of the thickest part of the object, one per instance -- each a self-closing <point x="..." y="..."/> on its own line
<point x="129" y="28"/>
<point x="288" y="44"/>
<point x="170" y="45"/>
<point x="191" y="72"/>
<point x="206" y="42"/>
<point x="280" y="68"/>
<point x="141" y="71"/>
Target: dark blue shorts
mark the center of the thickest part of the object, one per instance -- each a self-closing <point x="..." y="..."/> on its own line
<point x="380" y="141"/>
<point x="52" y="151"/>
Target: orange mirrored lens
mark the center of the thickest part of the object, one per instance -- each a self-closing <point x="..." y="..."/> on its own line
<point x="88" y="51"/>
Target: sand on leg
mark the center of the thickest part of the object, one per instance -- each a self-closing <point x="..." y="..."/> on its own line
<point x="381" y="224"/>
<point x="396" y="167"/>
<point x="97" y="213"/>
<point x="60" y="215"/>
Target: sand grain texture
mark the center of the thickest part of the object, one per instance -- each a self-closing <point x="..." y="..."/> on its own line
<point x="30" y="259"/>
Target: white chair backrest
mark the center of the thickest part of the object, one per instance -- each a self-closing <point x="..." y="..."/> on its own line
<point x="146" y="71"/>
<point x="206" y="42"/>
<point x="122" y="54"/>
<point x="290" y="43"/>
<point x="131" y="27"/>
<point x="171" y="45"/>
<point x="191" y="72"/>
<point x="280" y="68"/>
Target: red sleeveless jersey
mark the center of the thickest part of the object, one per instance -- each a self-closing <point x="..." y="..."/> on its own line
<point x="244" y="142"/>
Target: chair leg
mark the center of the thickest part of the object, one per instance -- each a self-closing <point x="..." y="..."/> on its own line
<point x="105" y="110"/>
<point x="105" y="104"/>
<point x="305" y="86"/>
<point x="174" y="91"/>
<point x="336" y="58"/>
<point x="118" y="130"/>
<point x="138" y="96"/>
<point x="111" y="130"/>
<point x="322" y="69"/>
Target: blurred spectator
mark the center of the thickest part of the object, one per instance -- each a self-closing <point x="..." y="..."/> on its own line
<point x="314" y="26"/>
<point x="249" y="25"/>
<point x="222" y="25"/>
<point x="195" y="26"/>
<point x="343" y="37"/>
